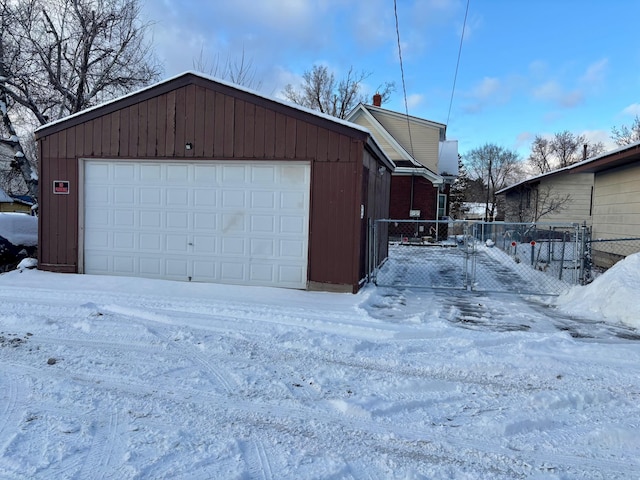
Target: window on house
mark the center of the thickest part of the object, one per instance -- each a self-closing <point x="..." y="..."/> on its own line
<point x="442" y="205"/>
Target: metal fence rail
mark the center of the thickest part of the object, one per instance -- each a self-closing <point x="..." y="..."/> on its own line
<point x="496" y="256"/>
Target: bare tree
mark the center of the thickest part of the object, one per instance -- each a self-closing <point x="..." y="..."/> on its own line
<point x="627" y="135"/>
<point x="541" y="156"/>
<point x="321" y="91"/>
<point x="240" y="70"/>
<point x="497" y="167"/>
<point x="570" y="148"/>
<point x="58" y="57"/>
<point x="564" y="149"/>
<point x="533" y="202"/>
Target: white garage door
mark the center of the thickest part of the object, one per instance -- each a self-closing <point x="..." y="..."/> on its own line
<point x="226" y="222"/>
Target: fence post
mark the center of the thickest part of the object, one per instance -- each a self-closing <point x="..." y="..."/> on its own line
<point x="564" y="241"/>
<point x="585" y="261"/>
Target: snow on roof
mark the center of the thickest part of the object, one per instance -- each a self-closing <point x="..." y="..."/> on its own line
<point x="4" y="198"/>
<point x="571" y="167"/>
<point x="19" y="228"/>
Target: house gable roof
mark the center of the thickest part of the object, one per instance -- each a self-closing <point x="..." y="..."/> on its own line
<point x="188" y="78"/>
<point x="535" y="179"/>
<point x="406" y="164"/>
<point x="615" y="158"/>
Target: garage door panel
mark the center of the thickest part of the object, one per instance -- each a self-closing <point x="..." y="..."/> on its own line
<point x="98" y="195"/>
<point x="291" y="249"/>
<point x="292" y="201"/>
<point x="97" y="239"/>
<point x="233" y="223"/>
<point x="205" y="221"/>
<point x="232" y="272"/>
<point x="229" y="222"/>
<point x="204" y="197"/>
<point x="99" y="218"/>
<point x="150" y="267"/>
<point x="262" y="224"/>
<point x="290" y="274"/>
<point x="177" y="243"/>
<point x="233" y="199"/>
<point x="124" y="240"/>
<point x="150" y="197"/>
<point x="150" y="219"/>
<point x="263" y="175"/>
<point x="234" y="174"/>
<point x="124" y="218"/>
<point x="177" y="268"/>
<point x="124" y="264"/>
<point x="263" y="200"/>
<point x="123" y="195"/>
<point x="262" y="247"/>
<point x="177" y="220"/>
<point x="125" y="173"/>
<point x="204" y="244"/>
<point x="233" y="246"/>
<point x="262" y="273"/>
<point x="204" y="271"/>
<point x="292" y="225"/>
<point x="151" y="173"/>
<point x="98" y="263"/>
<point x="177" y="173"/>
<point x="177" y="197"/>
<point x="205" y="174"/>
<point x="150" y="242"/>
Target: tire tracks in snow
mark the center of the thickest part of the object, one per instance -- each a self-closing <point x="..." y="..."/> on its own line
<point x="384" y="437"/>
<point x="13" y="388"/>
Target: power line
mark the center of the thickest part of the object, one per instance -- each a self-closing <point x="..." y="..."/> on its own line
<point x="404" y="87"/>
<point x="455" y="77"/>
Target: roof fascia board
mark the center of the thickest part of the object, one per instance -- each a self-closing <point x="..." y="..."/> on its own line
<point x="363" y="110"/>
<point x="423" y="172"/>
<point x="403" y="116"/>
<point x="614" y="158"/>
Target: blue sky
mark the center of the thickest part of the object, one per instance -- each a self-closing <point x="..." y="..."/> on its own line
<point x="527" y="67"/>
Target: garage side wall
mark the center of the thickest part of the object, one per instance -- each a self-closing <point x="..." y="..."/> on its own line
<point x="209" y="121"/>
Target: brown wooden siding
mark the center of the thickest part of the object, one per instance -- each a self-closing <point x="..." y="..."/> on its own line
<point x="220" y="124"/>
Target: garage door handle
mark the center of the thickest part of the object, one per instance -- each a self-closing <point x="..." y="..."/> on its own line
<point x="190" y="243"/>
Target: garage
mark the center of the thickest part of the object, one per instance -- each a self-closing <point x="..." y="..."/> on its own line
<point x="198" y="180"/>
<point x="228" y="222"/>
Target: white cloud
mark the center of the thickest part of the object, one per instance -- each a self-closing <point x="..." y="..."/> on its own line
<point x="487" y="88"/>
<point x="632" y="110"/>
<point x="489" y="91"/>
<point x="594" y="136"/>
<point x="552" y="91"/>
<point x="595" y="73"/>
<point x="415" y="100"/>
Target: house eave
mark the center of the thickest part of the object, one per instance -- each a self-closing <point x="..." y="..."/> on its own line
<point x="422" y="172"/>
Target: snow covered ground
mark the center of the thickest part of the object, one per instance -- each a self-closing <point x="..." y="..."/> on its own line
<point x="123" y="378"/>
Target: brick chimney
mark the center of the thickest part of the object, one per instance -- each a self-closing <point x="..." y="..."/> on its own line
<point x="377" y="100"/>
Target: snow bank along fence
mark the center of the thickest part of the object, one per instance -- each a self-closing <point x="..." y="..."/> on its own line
<point x="540" y="258"/>
<point x="601" y="254"/>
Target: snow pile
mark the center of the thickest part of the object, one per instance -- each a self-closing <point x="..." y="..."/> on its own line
<point x="19" y="229"/>
<point x="613" y="295"/>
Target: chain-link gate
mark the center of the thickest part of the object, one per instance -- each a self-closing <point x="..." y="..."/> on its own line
<point x="493" y="257"/>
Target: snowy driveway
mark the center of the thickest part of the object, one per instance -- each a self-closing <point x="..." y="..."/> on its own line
<point x="122" y="378"/>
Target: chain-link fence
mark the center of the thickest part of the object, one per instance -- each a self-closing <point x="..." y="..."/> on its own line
<point x="495" y="256"/>
<point x="601" y="254"/>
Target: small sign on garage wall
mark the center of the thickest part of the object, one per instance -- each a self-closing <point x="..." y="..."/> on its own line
<point x="61" y="187"/>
